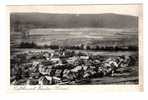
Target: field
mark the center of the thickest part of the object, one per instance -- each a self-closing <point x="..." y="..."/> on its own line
<point x="85" y="36"/>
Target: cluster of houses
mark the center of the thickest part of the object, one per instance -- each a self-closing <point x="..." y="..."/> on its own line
<point x="63" y="67"/>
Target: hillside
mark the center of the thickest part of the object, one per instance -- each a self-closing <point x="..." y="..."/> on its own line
<point x="20" y="21"/>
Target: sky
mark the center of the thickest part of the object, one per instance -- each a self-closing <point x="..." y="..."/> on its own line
<point x="135" y="10"/>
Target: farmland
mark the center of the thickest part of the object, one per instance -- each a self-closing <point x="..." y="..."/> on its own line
<point x="72" y="37"/>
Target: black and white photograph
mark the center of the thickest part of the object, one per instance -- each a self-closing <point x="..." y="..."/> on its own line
<point x="77" y="47"/>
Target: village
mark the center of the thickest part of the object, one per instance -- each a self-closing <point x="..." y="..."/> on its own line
<point x="64" y="66"/>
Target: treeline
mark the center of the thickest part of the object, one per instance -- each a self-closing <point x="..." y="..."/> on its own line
<point x="79" y="47"/>
<point x="28" y="45"/>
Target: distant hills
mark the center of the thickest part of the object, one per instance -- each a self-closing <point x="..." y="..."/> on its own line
<point x="21" y="21"/>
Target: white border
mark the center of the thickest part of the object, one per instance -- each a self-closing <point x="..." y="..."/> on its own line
<point x="73" y="96"/>
<point x="80" y="9"/>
